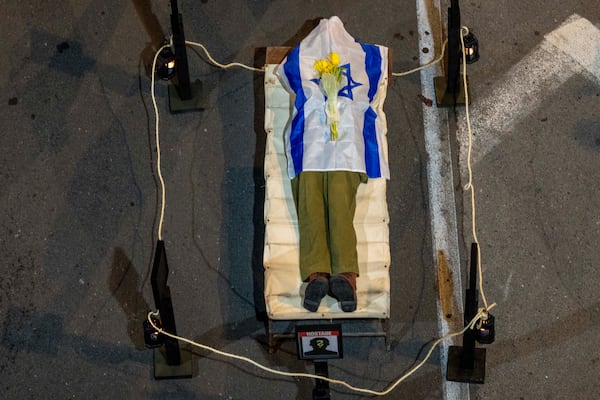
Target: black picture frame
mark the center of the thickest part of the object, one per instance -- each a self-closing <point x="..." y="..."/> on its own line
<point x="319" y="342"/>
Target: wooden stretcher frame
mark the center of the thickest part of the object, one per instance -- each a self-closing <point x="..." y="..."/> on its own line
<point x="283" y="286"/>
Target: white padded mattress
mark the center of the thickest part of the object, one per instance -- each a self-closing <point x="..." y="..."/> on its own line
<point x="283" y="286"/>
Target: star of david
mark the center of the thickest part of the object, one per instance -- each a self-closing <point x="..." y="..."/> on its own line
<point x="351" y="84"/>
<point x="346" y="91"/>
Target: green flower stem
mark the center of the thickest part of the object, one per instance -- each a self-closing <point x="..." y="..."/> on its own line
<point x="332" y="116"/>
<point x="331" y="84"/>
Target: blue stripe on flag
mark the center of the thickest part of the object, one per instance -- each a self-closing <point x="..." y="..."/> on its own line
<point x="373" y="67"/>
<point x="371" y="149"/>
<point x="292" y="72"/>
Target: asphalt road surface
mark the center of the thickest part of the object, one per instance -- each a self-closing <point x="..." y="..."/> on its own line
<point x="80" y="198"/>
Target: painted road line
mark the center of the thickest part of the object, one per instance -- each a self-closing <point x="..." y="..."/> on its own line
<point x="580" y="39"/>
<point x="571" y="49"/>
<point x="442" y="207"/>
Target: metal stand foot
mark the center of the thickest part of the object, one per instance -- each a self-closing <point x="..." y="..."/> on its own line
<point x="162" y="369"/>
<point x="195" y="102"/>
<point x="446" y="98"/>
<point x="458" y="372"/>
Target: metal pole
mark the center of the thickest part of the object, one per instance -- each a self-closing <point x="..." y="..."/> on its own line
<point x="468" y="354"/>
<point x="321" y="390"/>
<point x="448" y="90"/>
<point x="453" y="48"/>
<point x="466" y="363"/>
<point x="183" y="76"/>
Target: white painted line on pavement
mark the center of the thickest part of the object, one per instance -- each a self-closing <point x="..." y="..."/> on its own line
<point x="573" y="48"/>
<point x="580" y="39"/>
<point x="442" y="207"/>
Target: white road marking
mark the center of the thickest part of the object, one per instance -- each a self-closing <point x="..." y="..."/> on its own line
<point x="580" y="39"/>
<point x="571" y="49"/>
<point x="441" y="188"/>
<point x="507" y="286"/>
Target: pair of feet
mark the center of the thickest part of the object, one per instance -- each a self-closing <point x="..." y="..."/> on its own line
<point x="341" y="286"/>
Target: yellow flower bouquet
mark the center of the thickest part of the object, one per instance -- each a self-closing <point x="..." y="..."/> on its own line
<point x="330" y="74"/>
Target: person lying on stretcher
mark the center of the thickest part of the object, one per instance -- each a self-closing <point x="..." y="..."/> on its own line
<point x="333" y="144"/>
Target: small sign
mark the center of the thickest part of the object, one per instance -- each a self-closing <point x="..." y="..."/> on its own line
<point x="319" y="342"/>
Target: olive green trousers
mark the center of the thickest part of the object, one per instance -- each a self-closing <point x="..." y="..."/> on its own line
<point x="325" y="203"/>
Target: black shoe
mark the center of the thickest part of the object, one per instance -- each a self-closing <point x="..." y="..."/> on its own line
<point x="317" y="288"/>
<point x="343" y="288"/>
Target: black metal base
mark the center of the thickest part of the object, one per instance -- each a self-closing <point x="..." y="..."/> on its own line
<point x="446" y="99"/>
<point x="162" y="370"/>
<point x="456" y="372"/>
<point x="197" y="102"/>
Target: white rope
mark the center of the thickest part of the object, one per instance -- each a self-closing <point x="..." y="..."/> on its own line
<point x="158" y="165"/>
<point x="429" y="64"/>
<point x="480" y="315"/>
<point x="469" y="186"/>
<point x="476" y="321"/>
<point x="224" y="66"/>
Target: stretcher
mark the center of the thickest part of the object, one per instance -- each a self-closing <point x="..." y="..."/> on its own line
<point x="284" y="288"/>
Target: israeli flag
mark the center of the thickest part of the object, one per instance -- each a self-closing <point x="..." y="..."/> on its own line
<point x="361" y="126"/>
